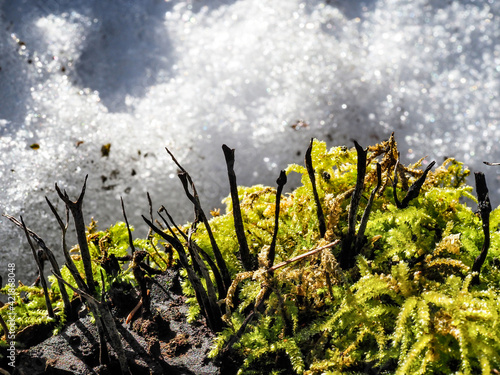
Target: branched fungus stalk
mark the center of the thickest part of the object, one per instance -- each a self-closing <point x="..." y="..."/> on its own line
<point x="400" y="289"/>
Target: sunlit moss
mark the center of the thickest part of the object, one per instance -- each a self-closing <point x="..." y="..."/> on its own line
<point x="407" y="301"/>
<point x="407" y="306"/>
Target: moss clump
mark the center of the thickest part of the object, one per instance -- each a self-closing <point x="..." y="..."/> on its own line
<point x="390" y="288"/>
<point x="407" y="306"/>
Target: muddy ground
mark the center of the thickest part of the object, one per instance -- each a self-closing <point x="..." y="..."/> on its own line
<point x="165" y="344"/>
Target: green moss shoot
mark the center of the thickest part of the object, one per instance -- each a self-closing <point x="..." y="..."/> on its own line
<point x="407" y="306"/>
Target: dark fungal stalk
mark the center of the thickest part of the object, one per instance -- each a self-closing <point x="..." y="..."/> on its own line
<point x="50" y="311"/>
<point x="163" y="209"/>
<point x="200" y="214"/>
<point x="203" y="253"/>
<point x="103" y="348"/>
<point x="347" y="255"/>
<point x="414" y="189"/>
<point x="212" y="298"/>
<point x="214" y="318"/>
<point x="168" y="260"/>
<point x="310" y="172"/>
<point x="4" y="325"/>
<point x="395" y="184"/>
<point x="103" y="318"/>
<point x="201" y="268"/>
<point x="194" y="264"/>
<point x="248" y="261"/>
<point x="76" y="211"/>
<point x="141" y="278"/>
<point x="69" y="261"/>
<point x="52" y="260"/>
<point x="366" y="214"/>
<point x="130" y="239"/>
<point x="484" y="207"/>
<point x="281" y="181"/>
<point x="150" y="204"/>
<point x="139" y="268"/>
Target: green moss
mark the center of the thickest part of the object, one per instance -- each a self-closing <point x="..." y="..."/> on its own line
<point x="407" y="306"/>
<point x="407" y="301"/>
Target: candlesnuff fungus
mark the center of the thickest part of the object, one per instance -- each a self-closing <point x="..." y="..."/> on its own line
<point x="247" y="260"/>
<point x="360" y="237"/>
<point x="281" y="181"/>
<point x="200" y="215"/>
<point x="402" y="302"/>
<point x="395" y="289"/>
<point x="86" y="288"/>
<point x="310" y="173"/>
<point x="55" y="267"/>
<point x="76" y="211"/>
<point x="50" y="310"/>
<point x="484" y="207"/>
<point x="348" y="253"/>
<point x="414" y="189"/>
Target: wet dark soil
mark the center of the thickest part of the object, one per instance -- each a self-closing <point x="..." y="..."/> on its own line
<point x="163" y="343"/>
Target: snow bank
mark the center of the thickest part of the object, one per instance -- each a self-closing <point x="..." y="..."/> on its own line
<point x="261" y="77"/>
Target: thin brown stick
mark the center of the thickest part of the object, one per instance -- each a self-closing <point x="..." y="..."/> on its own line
<point x="302" y="256"/>
<point x="130" y="316"/>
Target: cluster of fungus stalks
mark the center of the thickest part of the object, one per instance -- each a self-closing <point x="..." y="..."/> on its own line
<point x="214" y="299"/>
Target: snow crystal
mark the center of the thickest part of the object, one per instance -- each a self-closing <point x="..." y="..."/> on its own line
<point x="261" y="77"/>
